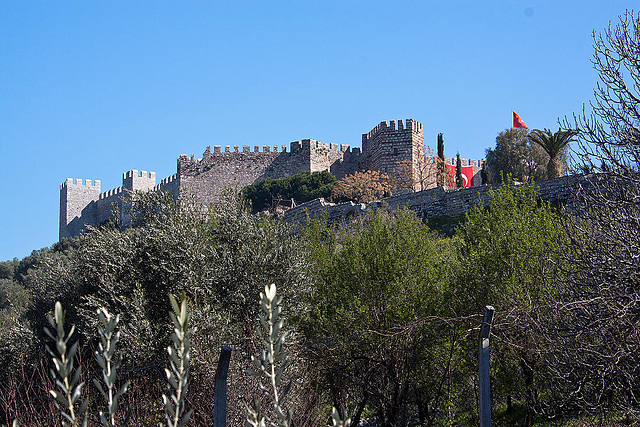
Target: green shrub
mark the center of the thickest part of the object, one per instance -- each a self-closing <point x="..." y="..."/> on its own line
<point x="302" y="187"/>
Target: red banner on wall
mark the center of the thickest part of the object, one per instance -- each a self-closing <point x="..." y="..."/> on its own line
<point x="467" y="175"/>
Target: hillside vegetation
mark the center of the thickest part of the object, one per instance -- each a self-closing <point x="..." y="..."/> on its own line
<point x="383" y="312"/>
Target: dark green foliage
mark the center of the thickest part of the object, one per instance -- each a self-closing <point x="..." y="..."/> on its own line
<point x="220" y="260"/>
<point x="459" y="179"/>
<point x="483" y="174"/>
<point x="248" y="252"/>
<point x="62" y="249"/>
<point x="515" y="155"/>
<point x="383" y="312"/>
<point x="302" y="187"/>
<point x="12" y="295"/>
<point x="507" y="247"/>
<point x="445" y="225"/>
<point x="40" y="279"/>
<point x="8" y="268"/>
<point x="441" y="173"/>
<point x="131" y="271"/>
<point x="16" y="337"/>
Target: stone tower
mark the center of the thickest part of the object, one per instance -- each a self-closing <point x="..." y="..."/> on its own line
<point x="77" y="206"/>
<point x="135" y="180"/>
<point x="386" y="146"/>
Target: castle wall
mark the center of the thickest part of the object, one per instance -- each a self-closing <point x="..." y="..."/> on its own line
<point x="336" y="158"/>
<point x="352" y="160"/>
<point x="208" y="176"/>
<point x="171" y="185"/>
<point x="109" y="203"/>
<point x="432" y="203"/>
<point x="219" y="169"/>
<point x="83" y="204"/>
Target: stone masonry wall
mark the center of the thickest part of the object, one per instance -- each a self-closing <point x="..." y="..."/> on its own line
<point x="431" y="203"/>
<point x="108" y="203"/>
<point x="135" y="180"/>
<point x="171" y="185"/>
<point x="206" y="177"/>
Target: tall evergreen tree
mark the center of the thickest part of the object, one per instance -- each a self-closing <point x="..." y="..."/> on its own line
<point x="459" y="179"/>
<point x="441" y="146"/>
<point x="440" y="160"/>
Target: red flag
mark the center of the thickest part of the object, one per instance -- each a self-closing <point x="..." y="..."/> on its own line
<point x="467" y="175"/>
<point x="518" y="122"/>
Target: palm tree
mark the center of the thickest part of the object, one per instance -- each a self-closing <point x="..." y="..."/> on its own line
<point x="553" y="144"/>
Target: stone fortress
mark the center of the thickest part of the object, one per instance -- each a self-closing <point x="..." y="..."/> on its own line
<point x="384" y="148"/>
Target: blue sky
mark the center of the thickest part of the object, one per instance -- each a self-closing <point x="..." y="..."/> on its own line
<point x="91" y="89"/>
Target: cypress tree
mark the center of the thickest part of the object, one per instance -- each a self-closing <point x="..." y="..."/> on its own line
<point x="459" y="180"/>
<point x="441" y="146"/>
<point x="440" y="160"/>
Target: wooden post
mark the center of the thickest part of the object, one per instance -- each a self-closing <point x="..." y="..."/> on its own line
<point x="220" y="393"/>
<point x="485" y="381"/>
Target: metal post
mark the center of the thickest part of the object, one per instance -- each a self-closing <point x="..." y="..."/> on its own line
<point x="220" y="393"/>
<point x="485" y="381"/>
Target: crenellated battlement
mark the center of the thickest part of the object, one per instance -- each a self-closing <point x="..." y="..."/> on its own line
<point x="312" y="144"/>
<point x="217" y="149"/>
<point x="69" y="182"/>
<point x="134" y="173"/>
<point x="111" y="193"/>
<point x="384" y="127"/>
<point x="135" y="180"/>
<point x="77" y="205"/>
<point x="168" y="180"/>
<point x="389" y="146"/>
<point x="381" y="127"/>
<point x="479" y="163"/>
<point x="239" y="154"/>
